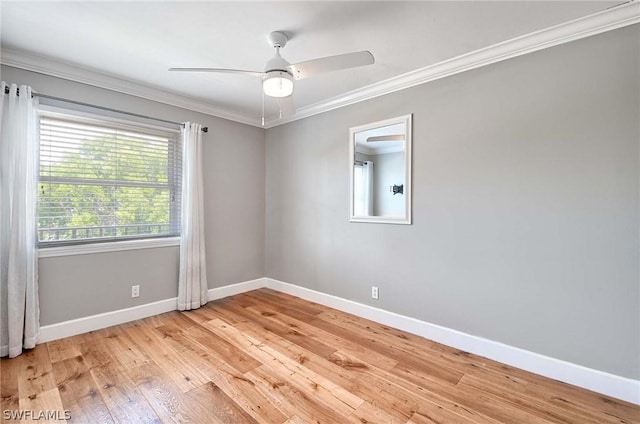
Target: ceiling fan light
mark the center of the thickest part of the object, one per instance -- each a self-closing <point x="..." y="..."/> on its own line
<point x="278" y="84"/>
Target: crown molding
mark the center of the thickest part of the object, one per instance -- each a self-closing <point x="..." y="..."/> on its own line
<point x="379" y="151"/>
<point x="48" y="66"/>
<point x="607" y="20"/>
<point x="597" y="23"/>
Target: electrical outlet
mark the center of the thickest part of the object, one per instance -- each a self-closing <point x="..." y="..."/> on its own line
<point x="135" y="291"/>
<point x="374" y="293"/>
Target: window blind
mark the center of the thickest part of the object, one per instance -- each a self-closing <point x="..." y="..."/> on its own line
<point x="102" y="181"/>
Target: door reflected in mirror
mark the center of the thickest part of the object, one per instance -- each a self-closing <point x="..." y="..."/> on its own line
<point x="380" y="161"/>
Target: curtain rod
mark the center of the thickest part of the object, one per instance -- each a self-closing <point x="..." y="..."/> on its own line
<point x="46" y="96"/>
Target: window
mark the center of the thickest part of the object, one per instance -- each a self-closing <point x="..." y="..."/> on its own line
<point x="104" y="181"/>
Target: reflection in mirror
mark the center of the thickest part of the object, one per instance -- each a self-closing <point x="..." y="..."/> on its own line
<point x="380" y="160"/>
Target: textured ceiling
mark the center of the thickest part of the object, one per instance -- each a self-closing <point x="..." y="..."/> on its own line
<point x="139" y="41"/>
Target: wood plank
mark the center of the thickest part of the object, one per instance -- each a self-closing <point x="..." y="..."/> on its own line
<point x="240" y="300"/>
<point x="295" y="302"/>
<point x="554" y="393"/>
<point x="465" y="399"/>
<point x="95" y="353"/>
<point x="9" y="395"/>
<point x="219" y="405"/>
<point x="341" y="375"/>
<point x="517" y="383"/>
<point x="165" y="398"/>
<point x="79" y="392"/>
<point x="36" y="382"/>
<point x="412" y="342"/>
<point x="213" y="310"/>
<point x="293" y="335"/>
<point x="125" y="350"/>
<point x="233" y="383"/>
<point x="402" y="398"/>
<point x="184" y="375"/>
<point x="62" y="349"/>
<point x="344" y="373"/>
<point x="296" y="420"/>
<point x="434" y="417"/>
<point x="303" y="312"/>
<point x="47" y="402"/>
<point x="179" y="319"/>
<point x="367" y="413"/>
<point x="571" y="398"/>
<point x="205" y="313"/>
<point x="362" y="378"/>
<point x="307" y="382"/>
<point x="402" y="343"/>
<point x="301" y="328"/>
<point x="231" y="354"/>
<point x="529" y="403"/>
<point x="408" y="350"/>
<point x="289" y="398"/>
<point x="124" y="401"/>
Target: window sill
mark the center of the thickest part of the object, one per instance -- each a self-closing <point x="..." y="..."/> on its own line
<point x="115" y="246"/>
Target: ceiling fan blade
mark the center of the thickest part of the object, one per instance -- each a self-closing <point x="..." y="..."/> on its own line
<point x="331" y="63"/>
<point x="287" y="106"/>
<point x="397" y="137"/>
<point x="226" y="71"/>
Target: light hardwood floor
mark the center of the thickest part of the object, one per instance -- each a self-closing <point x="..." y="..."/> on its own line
<point x="267" y="357"/>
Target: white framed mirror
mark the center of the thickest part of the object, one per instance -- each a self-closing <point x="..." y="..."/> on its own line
<point x="380" y="170"/>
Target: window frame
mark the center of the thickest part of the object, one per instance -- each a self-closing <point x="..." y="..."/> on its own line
<point x="118" y="243"/>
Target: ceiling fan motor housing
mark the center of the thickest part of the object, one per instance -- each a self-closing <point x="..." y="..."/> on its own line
<point x="277" y="63"/>
<point x="277" y="39"/>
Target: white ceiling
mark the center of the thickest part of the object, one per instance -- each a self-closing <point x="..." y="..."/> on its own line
<point x="138" y="41"/>
<point x="363" y="145"/>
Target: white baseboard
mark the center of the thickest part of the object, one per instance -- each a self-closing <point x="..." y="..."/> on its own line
<point x="598" y="381"/>
<point x="233" y="289"/>
<point x="96" y="322"/>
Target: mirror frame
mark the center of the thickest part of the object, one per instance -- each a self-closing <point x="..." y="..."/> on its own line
<point x="407" y="121"/>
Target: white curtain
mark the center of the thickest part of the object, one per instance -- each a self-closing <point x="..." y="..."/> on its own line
<point x="368" y="187"/>
<point x="19" y="309"/>
<point x="192" y="284"/>
<point x="363" y="189"/>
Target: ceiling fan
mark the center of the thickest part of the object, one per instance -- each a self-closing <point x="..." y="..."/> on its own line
<point x="378" y="138"/>
<point x="279" y="75"/>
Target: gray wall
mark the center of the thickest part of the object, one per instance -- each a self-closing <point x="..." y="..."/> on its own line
<point x="388" y="169"/>
<point x="77" y="286"/>
<point x="525" y="204"/>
